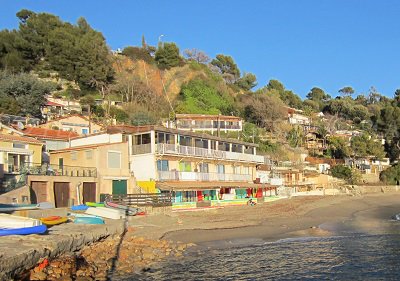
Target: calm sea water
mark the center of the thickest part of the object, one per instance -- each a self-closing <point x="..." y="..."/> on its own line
<point x="354" y="257"/>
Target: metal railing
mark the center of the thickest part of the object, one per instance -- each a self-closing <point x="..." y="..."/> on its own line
<point x="53" y="170"/>
<point x="163" y="148"/>
<point x="198" y="176"/>
<point x="142" y="199"/>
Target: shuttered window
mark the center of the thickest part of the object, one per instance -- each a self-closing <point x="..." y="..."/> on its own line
<point x="114" y="159"/>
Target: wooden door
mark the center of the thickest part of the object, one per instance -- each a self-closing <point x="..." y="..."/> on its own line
<point x="119" y="187"/>
<point x="61" y="194"/>
<point x="38" y="192"/>
<point x="89" y="192"/>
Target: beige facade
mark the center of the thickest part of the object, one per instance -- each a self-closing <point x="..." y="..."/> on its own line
<point x="111" y="162"/>
<point x="75" y="123"/>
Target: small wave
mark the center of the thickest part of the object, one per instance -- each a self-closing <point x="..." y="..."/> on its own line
<point x="396" y="217"/>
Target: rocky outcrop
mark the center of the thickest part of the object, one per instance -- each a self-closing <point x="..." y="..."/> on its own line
<point x="115" y="256"/>
<point x="21" y="253"/>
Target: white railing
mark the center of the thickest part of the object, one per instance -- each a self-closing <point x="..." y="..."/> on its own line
<point x="196" y="176"/>
<point x="163" y="148"/>
<point x="141" y="149"/>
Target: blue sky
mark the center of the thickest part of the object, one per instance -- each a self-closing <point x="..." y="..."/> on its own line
<point x="307" y="43"/>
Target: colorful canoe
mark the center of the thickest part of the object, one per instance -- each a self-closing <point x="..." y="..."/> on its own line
<point x="10" y="221"/>
<point x="130" y="211"/>
<point x="17" y="207"/>
<point x="88" y="220"/>
<point x="108" y="213"/>
<point x="54" y="220"/>
<point x="94" y="204"/>
<point x="79" y="208"/>
<point x="39" y="229"/>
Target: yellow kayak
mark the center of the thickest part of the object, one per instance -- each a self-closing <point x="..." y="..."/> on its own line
<point x="53" y="220"/>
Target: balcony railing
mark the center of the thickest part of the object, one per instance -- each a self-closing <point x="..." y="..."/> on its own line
<point x="197" y="176"/>
<point x="173" y="149"/>
<point x="53" y="170"/>
<point x="141" y="148"/>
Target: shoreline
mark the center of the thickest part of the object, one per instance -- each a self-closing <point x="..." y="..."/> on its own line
<point x="318" y="217"/>
<point x="170" y="234"/>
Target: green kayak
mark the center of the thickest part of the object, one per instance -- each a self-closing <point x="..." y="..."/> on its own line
<point x="94" y="204"/>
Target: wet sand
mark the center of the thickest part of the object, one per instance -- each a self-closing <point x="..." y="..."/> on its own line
<point x="285" y="218"/>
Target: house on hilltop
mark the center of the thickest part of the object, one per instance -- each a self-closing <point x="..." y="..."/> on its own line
<point x="75" y="123"/>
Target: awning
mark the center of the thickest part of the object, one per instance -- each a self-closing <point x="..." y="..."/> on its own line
<point x="195" y="185"/>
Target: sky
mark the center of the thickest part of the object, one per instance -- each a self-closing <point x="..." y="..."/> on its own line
<point x="304" y="44"/>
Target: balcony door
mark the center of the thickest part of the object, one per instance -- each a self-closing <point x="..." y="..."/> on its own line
<point x="221" y="172"/>
<point x="204" y="172"/>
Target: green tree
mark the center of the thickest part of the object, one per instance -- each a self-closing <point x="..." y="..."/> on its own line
<point x="167" y="56"/>
<point x="80" y="54"/>
<point x="346" y="91"/>
<point x="136" y="53"/>
<point x="365" y="146"/>
<point x="341" y="172"/>
<point x="295" y="136"/>
<point x="338" y="148"/>
<point x="33" y="34"/>
<point x="247" y="82"/>
<point x="318" y="96"/>
<point x="23" y="94"/>
<point x="226" y="67"/>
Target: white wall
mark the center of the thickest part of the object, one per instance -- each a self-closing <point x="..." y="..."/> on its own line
<point x="96" y="139"/>
<point x="144" y="167"/>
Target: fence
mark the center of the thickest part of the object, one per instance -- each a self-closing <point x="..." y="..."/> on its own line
<point x="142" y="199"/>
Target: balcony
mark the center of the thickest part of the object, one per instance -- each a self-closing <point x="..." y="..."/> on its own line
<point x="172" y="149"/>
<point x="196" y="176"/>
<point x="52" y="170"/>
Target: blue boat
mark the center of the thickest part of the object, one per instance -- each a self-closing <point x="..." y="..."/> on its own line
<point x="23" y="231"/>
<point x="88" y="220"/>
<point x="79" y="208"/>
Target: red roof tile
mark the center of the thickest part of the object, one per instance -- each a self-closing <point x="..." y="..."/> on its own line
<point x="19" y="139"/>
<point x="50" y="103"/>
<point x="44" y="133"/>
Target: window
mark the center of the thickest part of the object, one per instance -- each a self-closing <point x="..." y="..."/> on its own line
<point x="245" y="171"/>
<point x="74" y="155"/>
<point x="162" y="165"/>
<point x="236" y="148"/>
<point x="142" y="139"/>
<point x="220" y="169"/>
<point x="114" y="159"/>
<point x="85" y="131"/>
<point x="223" y="146"/>
<point x="236" y="170"/>
<point x="185" y="166"/>
<point x="164" y="138"/>
<point x="185" y="141"/>
<point x="19" y="145"/>
<point x="89" y="154"/>
<point x="203" y="167"/>
<point x="213" y="144"/>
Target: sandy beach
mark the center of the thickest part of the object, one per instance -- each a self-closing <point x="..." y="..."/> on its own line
<point x="285" y="218"/>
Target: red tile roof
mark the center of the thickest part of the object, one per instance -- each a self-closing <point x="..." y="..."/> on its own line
<point x="50" y="103"/>
<point x="83" y="147"/>
<point x="19" y="139"/>
<point x="44" y="133"/>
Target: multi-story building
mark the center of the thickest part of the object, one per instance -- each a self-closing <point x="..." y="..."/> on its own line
<point x="17" y="153"/>
<point x="106" y="165"/>
<point x="194" y="166"/>
<point x="204" y="122"/>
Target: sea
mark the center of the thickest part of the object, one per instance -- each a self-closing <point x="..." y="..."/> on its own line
<point x="354" y="256"/>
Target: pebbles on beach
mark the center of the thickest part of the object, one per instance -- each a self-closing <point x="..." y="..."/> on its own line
<point x="114" y="255"/>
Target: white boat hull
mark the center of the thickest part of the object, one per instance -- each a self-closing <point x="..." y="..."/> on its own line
<point x="106" y="213"/>
<point x="9" y="221"/>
